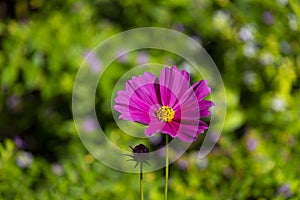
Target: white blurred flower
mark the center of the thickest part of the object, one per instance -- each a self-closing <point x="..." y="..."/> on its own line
<point x="293" y="24"/>
<point x="246" y="33"/>
<point x="285" y="47"/>
<point x="221" y="19"/>
<point x="249" y="50"/>
<point x="282" y="2"/>
<point x="266" y="58"/>
<point x="249" y="77"/>
<point x="24" y="159"/>
<point x="201" y="163"/>
<point x="278" y="104"/>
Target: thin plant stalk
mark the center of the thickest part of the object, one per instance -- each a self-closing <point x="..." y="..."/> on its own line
<point x="141" y="181"/>
<point x="167" y="168"/>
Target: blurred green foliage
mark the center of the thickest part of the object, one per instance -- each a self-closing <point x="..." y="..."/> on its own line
<point x="254" y="43"/>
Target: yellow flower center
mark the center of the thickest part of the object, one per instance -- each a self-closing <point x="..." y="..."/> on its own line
<point x="165" y="114"/>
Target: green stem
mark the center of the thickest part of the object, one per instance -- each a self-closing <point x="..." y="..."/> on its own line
<point x="167" y="168"/>
<point x="141" y="181"/>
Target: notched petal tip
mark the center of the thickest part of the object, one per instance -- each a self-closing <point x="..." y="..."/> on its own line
<point x="201" y="89"/>
<point x="184" y="73"/>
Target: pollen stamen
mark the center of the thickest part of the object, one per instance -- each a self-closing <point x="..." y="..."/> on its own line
<point x="165" y="114"/>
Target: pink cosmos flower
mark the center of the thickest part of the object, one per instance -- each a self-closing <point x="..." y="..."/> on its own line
<point x="168" y="105"/>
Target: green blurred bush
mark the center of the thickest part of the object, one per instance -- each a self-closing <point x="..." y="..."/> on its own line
<point x="254" y="43"/>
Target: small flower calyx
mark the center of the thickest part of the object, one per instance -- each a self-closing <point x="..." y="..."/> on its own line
<point x="140" y="154"/>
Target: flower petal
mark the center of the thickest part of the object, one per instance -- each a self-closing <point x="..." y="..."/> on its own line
<point x="204" y="107"/>
<point x="183" y="72"/>
<point x="140" y="95"/>
<point x="189" y="106"/>
<point x="187" y="132"/>
<point x="171" y="128"/>
<point x="201" y="89"/>
<point x="202" y="127"/>
<point x="147" y="85"/>
<point x="172" y="86"/>
<point x="154" y="127"/>
<point x="203" y="104"/>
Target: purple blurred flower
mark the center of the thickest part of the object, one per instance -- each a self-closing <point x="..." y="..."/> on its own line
<point x="268" y="18"/>
<point x="228" y="172"/>
<point x="24" y="20"/>
<point x="89" y="125"/>
<point x="183" y="164"/>
<point x="95" y="64"/>
<point x="179" y="27"/>
<point x="13" y="102"/>
<point x="168" y="104"/>
<point x="251" y="144"/>
<point x="197" y="38"/>
<point x="19" y="142"/>
<point x="291" y="140"/>
<point x="285" y="190"/>
<point x="155" y="139"/>
<point x="143" y="57"/>
<point x="24" y="159"/>
<point x="122" y="56"/>
<point x="57" y="169"/>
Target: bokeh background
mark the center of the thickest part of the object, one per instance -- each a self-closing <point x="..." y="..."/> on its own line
<point x="255" y="44"/>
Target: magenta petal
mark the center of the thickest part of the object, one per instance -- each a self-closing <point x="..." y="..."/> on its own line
<point x="171" y="128"/>
<point x="134" y="103"/>
<point x="185" y="74"/>
<point x="202" y="127"/>
<point x="204" y="113"/>
<point x="124" y="112"/>
<point x="201" y="89"/>
<point x="204" y="107"/>
<point x="154" y="127"/>
<point x="138" y="81"/>
<point x="205" y="104"/>
<point x="187" y="132"/>
<point x="189" y="106"/>
<point x="172" y="86"/>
